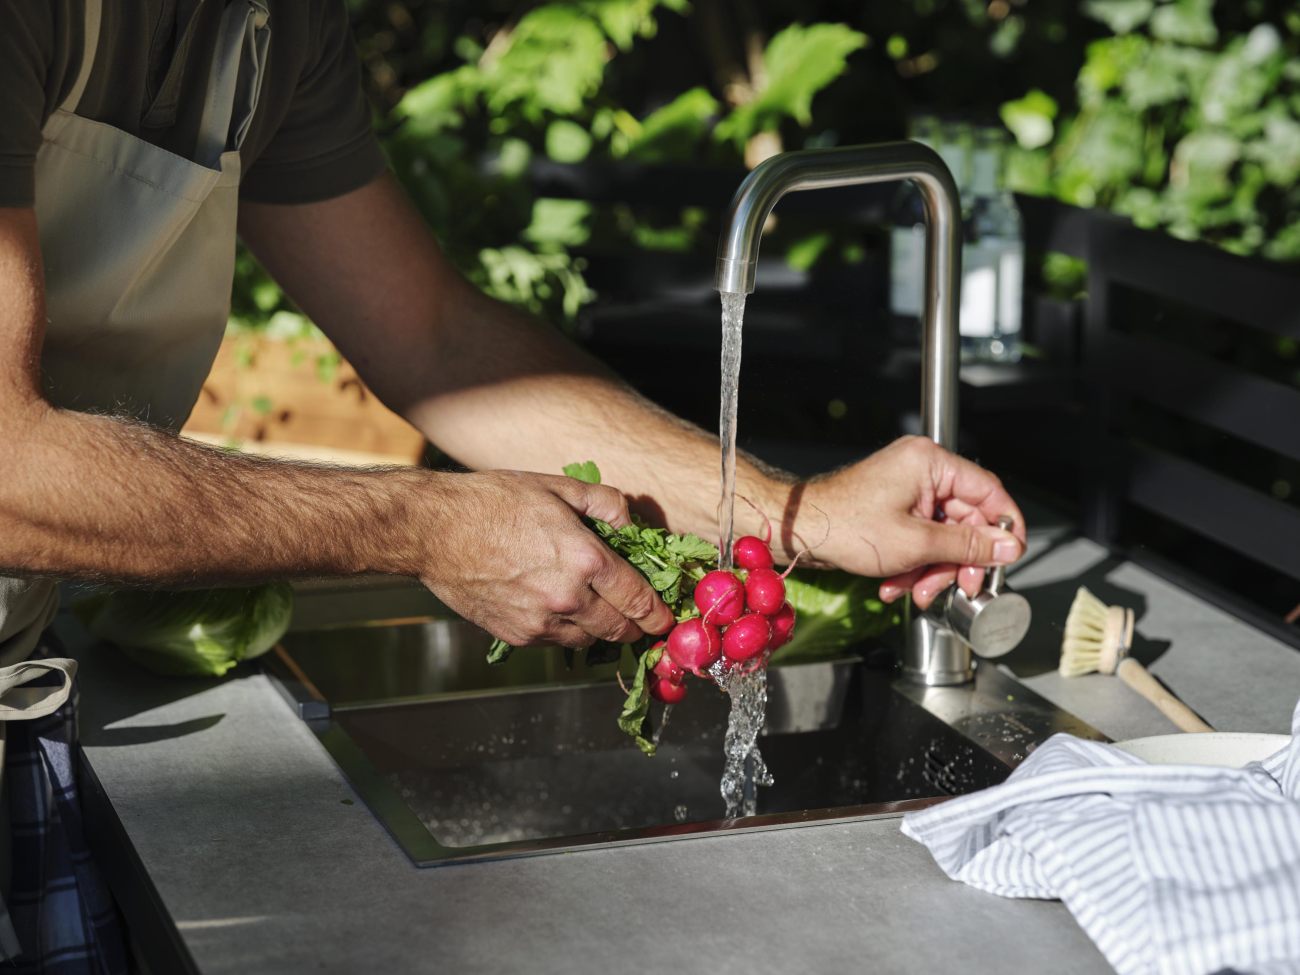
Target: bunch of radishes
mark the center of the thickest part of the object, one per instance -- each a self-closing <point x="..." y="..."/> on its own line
<point x="743" y="617"/>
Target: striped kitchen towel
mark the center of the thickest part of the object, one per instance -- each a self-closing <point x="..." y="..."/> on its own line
<point x="1177" y="870"/>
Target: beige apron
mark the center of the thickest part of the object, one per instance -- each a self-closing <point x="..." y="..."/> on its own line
<point x="139" y="251"/>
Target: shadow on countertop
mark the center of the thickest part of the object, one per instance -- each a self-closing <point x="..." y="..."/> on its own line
<point x="1041" y="650"/>
<point x="113" y="689"/>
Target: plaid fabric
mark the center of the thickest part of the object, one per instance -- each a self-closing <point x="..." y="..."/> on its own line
<point x="62" y="913"/>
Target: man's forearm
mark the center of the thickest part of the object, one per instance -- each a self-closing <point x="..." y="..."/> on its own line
<point x="490" y="386"/>
<point x="511" y="392"/>
<point x="97" y="498"/>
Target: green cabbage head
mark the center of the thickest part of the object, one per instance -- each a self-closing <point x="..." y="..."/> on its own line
<point x="833" y="613"/>
<point x="192" y="633"/>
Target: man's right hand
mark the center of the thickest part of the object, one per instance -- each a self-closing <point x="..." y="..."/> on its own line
<point x="515" y="558"/>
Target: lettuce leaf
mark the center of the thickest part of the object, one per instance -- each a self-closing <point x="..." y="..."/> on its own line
<point x="834" y="611"/>
<point x="192" y="633"/>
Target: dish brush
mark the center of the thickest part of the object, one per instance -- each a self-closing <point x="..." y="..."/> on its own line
<point x="1098" y="638"/>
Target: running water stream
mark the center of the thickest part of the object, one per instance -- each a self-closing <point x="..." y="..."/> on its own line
<point x="744" y="770"/>
<point x="733" y="317"/>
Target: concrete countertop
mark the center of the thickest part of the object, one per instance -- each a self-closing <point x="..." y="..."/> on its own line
<point x="268" y="862"/>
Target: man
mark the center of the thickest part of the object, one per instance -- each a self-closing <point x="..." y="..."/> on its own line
<point x="133" y="135"/>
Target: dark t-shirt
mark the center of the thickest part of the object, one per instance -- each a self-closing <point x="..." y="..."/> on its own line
<point x="310" y="138"/>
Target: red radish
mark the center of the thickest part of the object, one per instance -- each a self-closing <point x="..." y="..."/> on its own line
<point x="750" y="552"/>
<point x="746" y="638"/>
<point x="665" y="668"/>
<point x="667" y="691"/>
<point x="782" y="626"/>
<point x="765" y="591"/>
<point x="720" y="596"/>
<point x="694" y="645"/>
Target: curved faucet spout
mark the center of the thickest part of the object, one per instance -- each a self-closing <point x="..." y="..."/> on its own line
<point x="934" y="655"/>
<point x="815" y="169"/>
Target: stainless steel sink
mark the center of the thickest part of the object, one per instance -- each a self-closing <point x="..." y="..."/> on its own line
<point x="462" y="761"/>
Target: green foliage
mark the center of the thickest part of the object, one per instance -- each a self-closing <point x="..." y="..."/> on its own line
<point x="674" y="131"/>
<point x="1030" y="119"/>
<point x="1121" y="16"/>
<point x="1181" y="124"/>
<point x="587" y="472"/>
<point x="805" y="252"/>
<point x="634" y="719"/>
<point x="553" y="62"/>
<point x="799" y="62"/>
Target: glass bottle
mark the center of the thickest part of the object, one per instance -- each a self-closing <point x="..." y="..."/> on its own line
<point x="993" y="259"/>
<point x="907" y="234"/>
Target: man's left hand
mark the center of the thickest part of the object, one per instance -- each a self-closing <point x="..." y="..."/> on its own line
<point x="914" y="514"/>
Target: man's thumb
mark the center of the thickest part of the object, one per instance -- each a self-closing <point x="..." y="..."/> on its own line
<point x="970" y="545"/>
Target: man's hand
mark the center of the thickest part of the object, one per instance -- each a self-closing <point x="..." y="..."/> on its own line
<point x="514" y="557"/>
<point x="880" y="518"/>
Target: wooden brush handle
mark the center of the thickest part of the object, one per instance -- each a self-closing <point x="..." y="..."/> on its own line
<point x="1137" y="677"/>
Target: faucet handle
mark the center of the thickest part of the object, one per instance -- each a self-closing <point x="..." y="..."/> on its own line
<point x="997" y="577"/>
<point x="992" y="622"/>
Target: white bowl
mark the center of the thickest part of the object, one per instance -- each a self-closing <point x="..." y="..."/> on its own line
<point x="1225" y="749"/>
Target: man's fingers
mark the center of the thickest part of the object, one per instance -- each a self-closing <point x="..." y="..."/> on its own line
<point x="567" y="634"/>
<point x="604" y="622"/>
<point x="934" y="579"/>
<point x="971" y="579"/>
<point x="627" y="591"/>
<point x="594" y="501"/>
<point x="896" y="586"/>
<point x="975" y="487"/>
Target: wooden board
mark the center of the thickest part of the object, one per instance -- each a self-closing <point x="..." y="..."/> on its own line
<point x="274" y="396"/>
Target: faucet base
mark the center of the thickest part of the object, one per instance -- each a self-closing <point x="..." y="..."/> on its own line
<point x="934" y="656"/>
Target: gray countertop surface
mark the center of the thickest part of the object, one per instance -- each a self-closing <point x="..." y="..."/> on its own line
<point x="268" y="862"/>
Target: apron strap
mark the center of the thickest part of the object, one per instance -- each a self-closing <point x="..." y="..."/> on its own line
<point x="21" y="703"/>
<point x="243" y="29"/>
<point x="94" y="11"/>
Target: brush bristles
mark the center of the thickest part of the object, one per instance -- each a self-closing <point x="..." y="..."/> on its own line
<point x="1085" y="635"/>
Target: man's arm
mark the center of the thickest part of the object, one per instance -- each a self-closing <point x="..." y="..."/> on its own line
<point x="100" y="498"/>
<point x="494" y="388"/>
<point x="489" y="385"/>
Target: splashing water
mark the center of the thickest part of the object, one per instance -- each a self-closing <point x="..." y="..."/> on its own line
<point x="663" y="723"/>
<point x="744" y="768"/>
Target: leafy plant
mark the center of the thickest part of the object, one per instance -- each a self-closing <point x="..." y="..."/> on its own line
<point x="798" y="63"/>
<point x="1181" y="124"/>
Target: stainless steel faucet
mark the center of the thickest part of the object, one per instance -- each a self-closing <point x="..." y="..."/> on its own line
<point x="935" y="654"/>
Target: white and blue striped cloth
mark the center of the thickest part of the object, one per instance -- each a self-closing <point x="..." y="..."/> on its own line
<point x="1180" y="870"/>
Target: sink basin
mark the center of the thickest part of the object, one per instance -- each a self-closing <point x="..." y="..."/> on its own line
<point x="463" y="761"/>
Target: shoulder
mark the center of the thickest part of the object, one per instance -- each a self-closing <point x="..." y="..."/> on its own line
<point x="41" y="44"/>
<point x="43" y="38"/>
